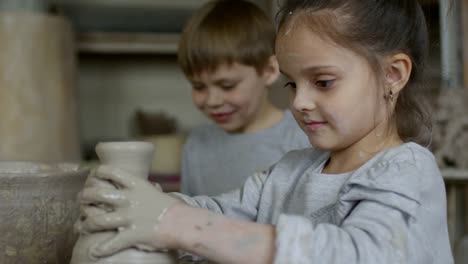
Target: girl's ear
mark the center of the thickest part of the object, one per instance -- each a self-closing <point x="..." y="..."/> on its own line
<point x="398" y="72"/>
<point x="271" y="71"/>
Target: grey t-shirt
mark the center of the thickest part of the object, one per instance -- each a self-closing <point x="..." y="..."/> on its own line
<point x="215" y="162"/>
<point x="390" y="210"/>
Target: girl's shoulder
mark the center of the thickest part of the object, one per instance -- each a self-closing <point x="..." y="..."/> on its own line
<point x="408" y="170"/>
<point x="406" y="156"/>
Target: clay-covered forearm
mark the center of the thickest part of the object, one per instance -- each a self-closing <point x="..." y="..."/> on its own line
<point x="217" y="237"/>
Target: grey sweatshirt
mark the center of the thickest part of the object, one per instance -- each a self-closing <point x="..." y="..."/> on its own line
<point x="390" y="210"/>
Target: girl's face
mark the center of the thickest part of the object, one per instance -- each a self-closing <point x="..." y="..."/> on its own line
<point x="335" y="99"/>
<point x="232" y="96"/>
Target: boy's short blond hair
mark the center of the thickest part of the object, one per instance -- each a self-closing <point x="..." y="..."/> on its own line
<point x="226" y="31"/>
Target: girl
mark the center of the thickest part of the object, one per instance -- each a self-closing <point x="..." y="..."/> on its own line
<point x="367" y="192"/>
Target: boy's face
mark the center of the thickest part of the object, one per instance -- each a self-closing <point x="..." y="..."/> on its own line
<point x="335" y="98"/>
<point x="232" y="96"/>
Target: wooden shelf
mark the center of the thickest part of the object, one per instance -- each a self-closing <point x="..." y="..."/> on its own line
<point x="127" y="43"/>
<point x="455" y="175"/>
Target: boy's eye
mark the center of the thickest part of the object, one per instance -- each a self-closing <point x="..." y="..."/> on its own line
<point x="324" y="83"/>
<point x="198" y="87"/>
<point x="227" y="86"/>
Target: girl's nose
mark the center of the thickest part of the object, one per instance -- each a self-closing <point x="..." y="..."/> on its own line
<point x="303" y="100"/>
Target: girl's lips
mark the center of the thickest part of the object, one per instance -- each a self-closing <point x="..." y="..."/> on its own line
<point x="314" y="125"/>
<point x="221" y="117"/>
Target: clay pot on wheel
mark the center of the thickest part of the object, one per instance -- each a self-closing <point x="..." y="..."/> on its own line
<point x="134" y="157"/>
<point x="38" y="208"/>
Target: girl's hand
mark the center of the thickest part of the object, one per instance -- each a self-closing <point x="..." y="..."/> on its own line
<point x="137" y="206"/>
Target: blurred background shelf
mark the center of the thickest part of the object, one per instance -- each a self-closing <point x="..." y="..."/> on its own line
<point x="127" y="43"/>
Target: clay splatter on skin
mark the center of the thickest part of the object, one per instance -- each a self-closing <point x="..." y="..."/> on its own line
<point x="200" y="228"/>
<point x="200" y="245"/>
<point x="362" y="155"/>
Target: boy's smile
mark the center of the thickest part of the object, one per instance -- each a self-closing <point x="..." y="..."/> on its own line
<point x="222" y="117"/>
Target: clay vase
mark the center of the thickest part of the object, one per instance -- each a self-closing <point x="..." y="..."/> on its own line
<point x="134" y="157"/>
<point x="37" y="210"/>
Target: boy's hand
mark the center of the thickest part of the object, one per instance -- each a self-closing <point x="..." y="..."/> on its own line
<point x="138" y="208"/>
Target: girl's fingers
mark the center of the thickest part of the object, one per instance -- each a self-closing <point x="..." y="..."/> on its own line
<point x="91" y="210"/>
<point x="99" y="195"/>
<point x="117" y="176"/>
<point x="94" y="181"/>
<point x="91" y="179"/>
<point x="157" y="186"/>
<point x="120" y="241"/>
<point x="104" y="222"/>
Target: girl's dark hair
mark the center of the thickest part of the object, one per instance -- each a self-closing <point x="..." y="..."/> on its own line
<point x="374" y="29"/>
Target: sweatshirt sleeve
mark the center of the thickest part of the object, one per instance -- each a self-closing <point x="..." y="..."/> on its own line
<point x="370" y="223"/>
<point x="241" y="203"/>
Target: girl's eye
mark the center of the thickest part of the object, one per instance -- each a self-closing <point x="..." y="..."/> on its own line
<point x="324" y="84"/>
<point x="291" y="85"/>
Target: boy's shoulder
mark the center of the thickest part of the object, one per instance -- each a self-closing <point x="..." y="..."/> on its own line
<point x="204" y="133"/>
<point x="293" y="136"/>
<point x="203" y="129"/>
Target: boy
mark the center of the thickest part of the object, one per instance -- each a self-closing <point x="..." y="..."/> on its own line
<point x="226" y="52"/>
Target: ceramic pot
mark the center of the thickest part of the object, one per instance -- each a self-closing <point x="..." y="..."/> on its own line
<point x="38" y="208"/>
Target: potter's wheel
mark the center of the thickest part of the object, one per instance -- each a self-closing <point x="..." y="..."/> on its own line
<point x="38" y="209"/>
<point x="34" y="169"/>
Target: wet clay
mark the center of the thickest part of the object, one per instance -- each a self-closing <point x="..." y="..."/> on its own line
<point x="134" y="157"/>
<point x="37" y="210"/>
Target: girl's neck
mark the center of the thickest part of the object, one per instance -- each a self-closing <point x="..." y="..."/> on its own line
<point x="351" y="158"/>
